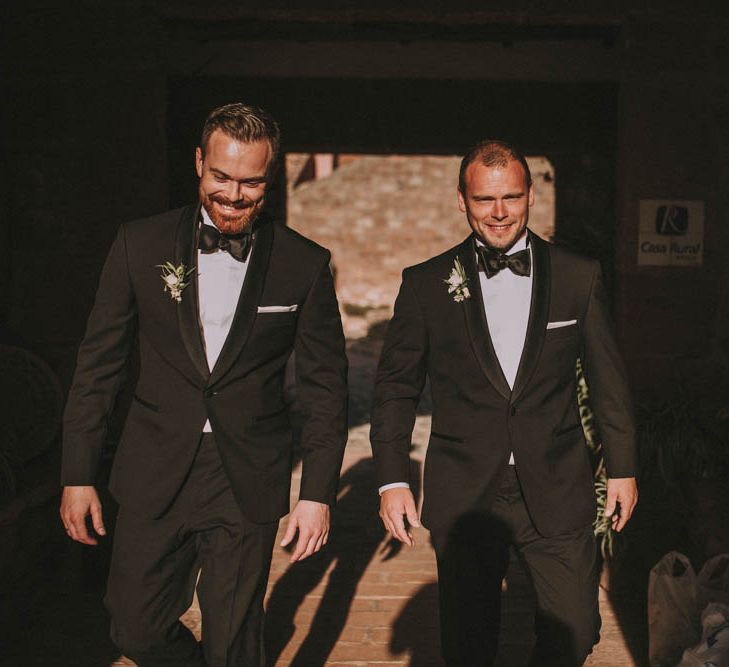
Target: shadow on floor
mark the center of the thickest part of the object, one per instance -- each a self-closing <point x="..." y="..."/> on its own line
<point x="416" y="629"/>
<point x="357" y="536"/>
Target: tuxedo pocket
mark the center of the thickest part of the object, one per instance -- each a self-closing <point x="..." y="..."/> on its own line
<point x="564" y="431"/>
<point x="566" y="441"/>
<point x="146" y="404"/>
<point x="278" y="309"/>
<point x="444" y="436"/>
<point x="561" y="324"/>
<point x="276" y="318"/>
<point x="281" y="412"/>
<point x="563" y="330"/>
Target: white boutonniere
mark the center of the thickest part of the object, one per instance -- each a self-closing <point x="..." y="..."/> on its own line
<point x="458" y="282"/>
<point x="174" y="278"/>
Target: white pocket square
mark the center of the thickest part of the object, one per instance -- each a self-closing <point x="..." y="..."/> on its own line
<point x="559" y="325"/>
<point x="278" y="309"/>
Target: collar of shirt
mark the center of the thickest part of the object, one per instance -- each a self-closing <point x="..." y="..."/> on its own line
<point x="521" y="244"/>
<point x="206" y="219"/>
<point x="220" y="281"/>
<point x="506" y="299"/>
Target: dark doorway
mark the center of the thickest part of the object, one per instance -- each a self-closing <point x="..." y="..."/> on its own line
<point x="573" y="125"/>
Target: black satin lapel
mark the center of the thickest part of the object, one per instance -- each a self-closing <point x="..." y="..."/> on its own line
<point x="538" y="314"/>
<point x="477" y="324"/>
<point x="248" y="301"/>
<point x="187" y="311"/>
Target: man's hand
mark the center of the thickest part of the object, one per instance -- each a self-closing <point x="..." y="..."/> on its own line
<point x="394" y="505"/>
<point x="622" y="491"/>
<point x="311" y="519"/>
<point x="77" y="503"/>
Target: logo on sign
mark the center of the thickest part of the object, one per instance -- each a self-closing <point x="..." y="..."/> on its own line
<point x="672" y="220"/>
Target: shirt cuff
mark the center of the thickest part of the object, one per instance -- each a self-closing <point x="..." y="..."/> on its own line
<point x="394" y="485"/>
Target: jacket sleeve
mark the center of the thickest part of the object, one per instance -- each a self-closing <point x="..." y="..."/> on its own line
<point x="608" y="385"/>
<point x="321" y="383"/>
<point x="100" y="369"/>
<point x="399" y="382"/>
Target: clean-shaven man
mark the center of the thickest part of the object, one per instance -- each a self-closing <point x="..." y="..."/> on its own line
<point x="497" y="323"/>
<point x="217" y="297"/>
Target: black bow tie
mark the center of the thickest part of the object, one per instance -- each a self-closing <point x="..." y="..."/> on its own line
<point x="493" y="261"/>
<point x="212" y="240"/>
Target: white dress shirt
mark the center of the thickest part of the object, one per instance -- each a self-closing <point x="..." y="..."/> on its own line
<point x="507" y="301"/>
<point x="219" y="279"/>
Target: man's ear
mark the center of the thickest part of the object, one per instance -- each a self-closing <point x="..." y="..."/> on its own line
<point x="198" y="161"/>
<point x="531" y="194"/>
<point x="461" y="200"/>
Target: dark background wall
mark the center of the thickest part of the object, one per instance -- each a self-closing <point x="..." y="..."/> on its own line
<point x="102" y="105"/>
<point x="434" y="116"/>
<point x="100" y="108"/>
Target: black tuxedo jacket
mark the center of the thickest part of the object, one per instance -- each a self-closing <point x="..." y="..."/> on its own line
<point x="477" y="419"/>
<point x="242" y="396"/>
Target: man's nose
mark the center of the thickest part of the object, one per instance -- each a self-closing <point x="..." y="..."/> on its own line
<point x="499" y="211"/>
<point x="234" y="191"/>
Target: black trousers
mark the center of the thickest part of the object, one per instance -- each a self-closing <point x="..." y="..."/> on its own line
<point x="472" y="561"/>
<point x="154" y="568"/>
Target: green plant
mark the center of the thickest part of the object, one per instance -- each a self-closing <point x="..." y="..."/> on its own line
<point x="683" y="440"/>
<point x="602" y="527"/>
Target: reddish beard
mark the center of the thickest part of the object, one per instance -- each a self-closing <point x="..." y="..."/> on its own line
<point x="236" y="223"/>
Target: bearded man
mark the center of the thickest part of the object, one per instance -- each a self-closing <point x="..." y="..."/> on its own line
<point x="217" y="297"/>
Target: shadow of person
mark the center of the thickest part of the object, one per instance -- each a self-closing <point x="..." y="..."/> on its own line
<point x="416" y="629"/>
<point x="356" y="535"/>
<point x="485" y="600"/>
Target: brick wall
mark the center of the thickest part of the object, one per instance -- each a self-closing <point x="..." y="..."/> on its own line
<point x="379" y="214"/>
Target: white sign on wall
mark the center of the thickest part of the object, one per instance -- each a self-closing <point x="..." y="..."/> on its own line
<point x="671" y="233"/>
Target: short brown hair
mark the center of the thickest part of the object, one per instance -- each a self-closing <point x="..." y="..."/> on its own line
<point x="243" y="122"/>
<point x="492" y="153"/>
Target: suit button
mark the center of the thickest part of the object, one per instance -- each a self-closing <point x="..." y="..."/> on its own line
<point x="512" y="412"/>
<point x="209" y="393"/>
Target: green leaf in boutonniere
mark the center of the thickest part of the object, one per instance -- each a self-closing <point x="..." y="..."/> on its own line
<point x="457" y="282"/>
<point x="174" y="279"/>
